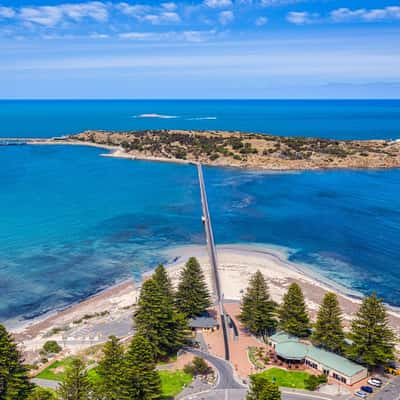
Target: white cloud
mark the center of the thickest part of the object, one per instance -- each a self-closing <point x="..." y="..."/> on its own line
<point x="170" y="6"/>
<point x="301" y="17"/>
<point x="133" y="10"/>
<point x="6" y="12"/>
<point x="368" y="15"/>
<point x="218" y="3"/>
<point x="139" y="35"/>
<point x="99" y="36"/>
<point x="187" y="36"/>
<point x="162" y="18"/>
<point x="48" y="16"/>
<point x="260" y="21"/>
<point x="52" y="15"/>
<point x="272" y="3"/>
<point x="226" y="17"/>
<point x="153" y="15"/>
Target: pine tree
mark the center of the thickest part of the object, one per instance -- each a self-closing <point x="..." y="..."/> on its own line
<point x="110" y="370"/>
<point x="261" y="388"/>
<point x="42" y="394"/>
<point x="75" y="385"/>
<point x="192" y="297"/>
<point x="293" y="314"/>
<point x="373" y="339"/>
<point x="157" y="320"/>
<point x="162" y="279"/>
<point x="14" y="382"/>
<point x="258" y="310"/>
<point x="328" y="331"/>
<point x="142" y="381"/>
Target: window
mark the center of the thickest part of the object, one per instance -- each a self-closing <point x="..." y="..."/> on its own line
<point x="339" y="378"/>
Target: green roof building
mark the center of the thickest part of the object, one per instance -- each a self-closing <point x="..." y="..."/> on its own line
<point x="292" y="350"/>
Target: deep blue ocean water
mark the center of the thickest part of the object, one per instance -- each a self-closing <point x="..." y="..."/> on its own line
<point x="72" y="222"/>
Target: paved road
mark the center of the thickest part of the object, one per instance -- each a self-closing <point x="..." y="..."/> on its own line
<point x="226" y="378"/>
<point x="240" y="394"/>
<point x="46" y="383"/>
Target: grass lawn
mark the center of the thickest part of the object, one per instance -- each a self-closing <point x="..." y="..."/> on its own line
<point x="55" y="371"/>
<point x="172" y="382"/>
<point x="290" y="379"/>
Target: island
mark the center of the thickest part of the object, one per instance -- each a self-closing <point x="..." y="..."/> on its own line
<point x="245" y="150"/>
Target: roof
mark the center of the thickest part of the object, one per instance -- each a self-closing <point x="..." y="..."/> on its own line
<point x="333" y="361"/>
<point x="290" y="348"/>
<point x="203" y="322"/>
<point x="281" y="337"/>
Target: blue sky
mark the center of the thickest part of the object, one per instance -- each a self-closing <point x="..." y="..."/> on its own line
<point x="200" y="49"/>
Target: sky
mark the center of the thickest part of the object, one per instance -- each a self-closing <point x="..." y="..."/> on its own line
<point x="200" y="49"/>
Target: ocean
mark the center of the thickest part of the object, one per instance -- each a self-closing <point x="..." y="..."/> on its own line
<point x="73" y="222"/>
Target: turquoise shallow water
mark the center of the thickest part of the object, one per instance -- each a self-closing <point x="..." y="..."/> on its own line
<point x="361" y="119"/>
<point x="72" y="222"/>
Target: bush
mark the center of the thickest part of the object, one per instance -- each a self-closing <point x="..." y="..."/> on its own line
<point x="51" y="346"/>
<point x="198" y="367"/>
<point x="214" y="156"/>
<point x="314" y="381"/>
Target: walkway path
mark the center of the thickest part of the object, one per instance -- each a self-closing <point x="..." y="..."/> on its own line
<point x="213" y="257"/>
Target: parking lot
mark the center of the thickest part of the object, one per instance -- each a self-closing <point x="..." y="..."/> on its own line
<point x="390" y="390"/>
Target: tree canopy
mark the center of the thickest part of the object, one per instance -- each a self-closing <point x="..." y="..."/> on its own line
<point x="75" y="385"/>
<point x="192" y="296"/>
<point x="258" y="311"/>
<point x="111" y="370"/>
<point x="261" y="388"/>
<point x="293" y="316"/>
<point x="328" y="332"/>
<point x="162" y="279"/>
<point x="157" y="320"/>
<point x="373" y="339"/>
<point x="142" y="381"/>
<point x="14" y="382"/>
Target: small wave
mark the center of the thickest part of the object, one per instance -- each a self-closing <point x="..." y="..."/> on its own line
<point x="161" y="116"/>
<point x="201" y="118"/>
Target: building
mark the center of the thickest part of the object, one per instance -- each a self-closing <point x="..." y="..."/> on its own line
<point x="204" y="324"/>
<point x="293" y="351"/>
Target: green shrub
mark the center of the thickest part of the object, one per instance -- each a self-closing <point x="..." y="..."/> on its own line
<point x="197" y="367"/>
<point x="314" y="381"/>
<point x="51" y="346"/>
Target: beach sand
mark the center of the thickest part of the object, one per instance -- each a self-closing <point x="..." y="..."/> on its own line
<point x="110" y="312"/>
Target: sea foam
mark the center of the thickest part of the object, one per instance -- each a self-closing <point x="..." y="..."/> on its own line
<point x="161" y="116"/>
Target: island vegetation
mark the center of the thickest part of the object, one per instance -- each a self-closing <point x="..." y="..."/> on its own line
<point x="248" y="150"/>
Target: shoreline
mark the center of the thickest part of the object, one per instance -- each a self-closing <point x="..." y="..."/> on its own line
<point x="118" y="152"/>
<point x="82" y="324"/>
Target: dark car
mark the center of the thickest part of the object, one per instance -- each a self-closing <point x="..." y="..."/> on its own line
<point x="367" y="389"/>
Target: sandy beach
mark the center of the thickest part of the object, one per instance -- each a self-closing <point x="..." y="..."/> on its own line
<point x="110" y="312"/>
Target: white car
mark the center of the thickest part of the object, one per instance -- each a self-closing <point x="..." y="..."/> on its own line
<point x="361" y="394"/>
<point x="375" y="382"/>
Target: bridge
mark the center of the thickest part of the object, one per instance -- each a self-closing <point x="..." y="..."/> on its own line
<point x="17" y="141"/>
<point x="213" y="258"/>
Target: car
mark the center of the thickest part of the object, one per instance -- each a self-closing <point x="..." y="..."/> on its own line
<point x="375" y="382"/>
<point x="367" y="389"/>
<point x="360" y="394"/>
